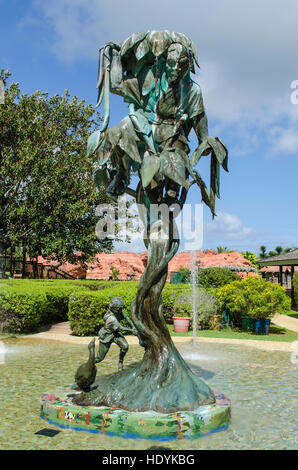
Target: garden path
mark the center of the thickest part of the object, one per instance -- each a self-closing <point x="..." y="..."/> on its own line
<point x="285" y="322"/>
<point x="62" y="332"/>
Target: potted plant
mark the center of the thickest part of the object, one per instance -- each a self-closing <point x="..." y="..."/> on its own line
<point x="255" y="300"/>
<point x="182" y="314"/>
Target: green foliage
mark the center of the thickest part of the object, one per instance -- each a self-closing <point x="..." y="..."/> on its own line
<point x="254" y="297"/>
<point x="114" y="273"/>
<point x="250" y="257"/>
<point x="206" y="307"/>
<point x="215" y="277"/>
<point x="184" y="275"/>
<point x="25" y="305"/>
<point x="169" y="295"/>
<point x="47" y="198"/>
<point x="182" y="306"/>
<point x="278" y="251"/>
<point x="221" y="249"/>
<point x="263" y="253"/>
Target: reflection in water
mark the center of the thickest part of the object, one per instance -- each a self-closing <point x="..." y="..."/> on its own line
<point x="260" y="384"/>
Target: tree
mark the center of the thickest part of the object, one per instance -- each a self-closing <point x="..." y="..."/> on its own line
<point x="221" y="249"/>
<point x="263" y="253"/>
<point x="279" y="250"/>
<point x="250" y="257"/>
<point x="47" y="196"/>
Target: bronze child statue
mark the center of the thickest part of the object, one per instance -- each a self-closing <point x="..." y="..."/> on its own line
<point x="111" y="331"/>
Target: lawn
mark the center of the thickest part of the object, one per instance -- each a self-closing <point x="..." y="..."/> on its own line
<point x="275" y="334"/>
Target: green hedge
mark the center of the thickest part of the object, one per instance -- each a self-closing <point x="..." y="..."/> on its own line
<point x="86" y="309"/>
<point x="25" y="305"/>
<point x="215" y="277"/>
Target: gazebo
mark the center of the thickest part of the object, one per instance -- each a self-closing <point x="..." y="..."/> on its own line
<point x="286" y="259"/>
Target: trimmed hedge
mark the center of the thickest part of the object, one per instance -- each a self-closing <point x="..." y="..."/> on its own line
<point x="215" y="277"/>
<point x="27" y="304"/>
<point x="86" y="309"/>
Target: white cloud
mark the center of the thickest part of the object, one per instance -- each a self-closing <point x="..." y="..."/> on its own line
<point x="286" y="140"/>
<point x="225" y="228"/>
<point x="247" y="52"/>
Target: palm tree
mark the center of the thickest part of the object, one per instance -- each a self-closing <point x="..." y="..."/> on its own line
<point x="279" y="250"/>
<point x="221" y="249"/>
<point x="263" y="253"/>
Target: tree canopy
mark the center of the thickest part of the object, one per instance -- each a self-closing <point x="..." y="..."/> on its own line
<point x="279" y="250"/>
<point x="47" y="195"/>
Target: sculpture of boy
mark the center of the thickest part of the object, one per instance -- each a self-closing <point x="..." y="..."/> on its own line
<point x="111" y="331"/>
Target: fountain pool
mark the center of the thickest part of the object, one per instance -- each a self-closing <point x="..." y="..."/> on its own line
<point x="261" y="385"/>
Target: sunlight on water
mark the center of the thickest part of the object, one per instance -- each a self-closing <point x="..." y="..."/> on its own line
<point x="192" y="352"/>
<point x="260" y="384"/>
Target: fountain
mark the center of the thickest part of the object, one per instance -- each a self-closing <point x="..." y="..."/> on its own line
<point x="251" y="377"/>
<point x="193" y="277"/>
<point x="160" y="397"/>
<point x="2" y="353"/>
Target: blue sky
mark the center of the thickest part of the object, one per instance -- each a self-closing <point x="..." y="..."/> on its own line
<point x="248" y="57"/>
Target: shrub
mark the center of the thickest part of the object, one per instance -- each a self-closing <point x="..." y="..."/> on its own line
<point x="114" y="273"/>
<point x="215" y="277"/>
<point x="184" y="275"/>
<point x="182" y="307"/>
<point x="169" y="295"/>
<point x="254" y="297"/>
<point x="26" y="305"/>
<point x="86" y="309"/>
<point x="20" y="312"/>
<point x="206" y="308"/>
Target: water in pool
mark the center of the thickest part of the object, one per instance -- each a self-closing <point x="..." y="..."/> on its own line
<point x="262" y="386"/>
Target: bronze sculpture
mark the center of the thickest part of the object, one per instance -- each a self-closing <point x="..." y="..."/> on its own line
<point x="111" y="332"/>
<point x="151" y="70"/>
<point x="86" y="373"/>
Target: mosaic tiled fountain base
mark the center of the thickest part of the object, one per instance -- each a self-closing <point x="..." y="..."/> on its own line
<point x="57" y="409"/>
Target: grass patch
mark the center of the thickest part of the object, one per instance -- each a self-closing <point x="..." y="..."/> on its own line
<point x="275" y="334"/>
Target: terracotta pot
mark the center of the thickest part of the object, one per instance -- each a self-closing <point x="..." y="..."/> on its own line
<point x="181" y="324"/>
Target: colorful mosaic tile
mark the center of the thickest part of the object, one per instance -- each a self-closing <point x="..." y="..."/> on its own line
<point x="57" y="409"/>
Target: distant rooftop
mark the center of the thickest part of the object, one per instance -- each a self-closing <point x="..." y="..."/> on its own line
<point x="285" y="259"/>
